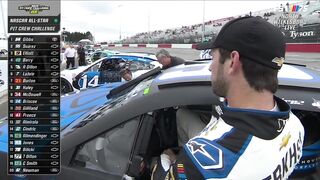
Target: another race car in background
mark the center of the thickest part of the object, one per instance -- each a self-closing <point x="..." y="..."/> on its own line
<point x="98" y="54"/>
<point x="3" y="52"/>
<point x="117" y="130"/>
<point x="88" y="76"/>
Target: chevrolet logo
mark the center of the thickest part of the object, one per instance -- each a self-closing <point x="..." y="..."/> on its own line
<point x="278" y="61"/>
<point x="285" y="141"/>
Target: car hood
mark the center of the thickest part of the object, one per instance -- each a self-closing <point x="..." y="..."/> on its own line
<point x="77" y="105"/>
<point x="74" y="107"/>
<point x="70" y="72"/>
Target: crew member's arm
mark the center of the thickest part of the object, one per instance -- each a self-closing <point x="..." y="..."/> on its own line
<point x="164" y="165"/>
<point x="170" y="167"/>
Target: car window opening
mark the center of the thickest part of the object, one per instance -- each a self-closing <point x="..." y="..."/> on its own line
<point x="130" y="84"/>
<point x="164" y="133"/>
<point x="109" y="152"/>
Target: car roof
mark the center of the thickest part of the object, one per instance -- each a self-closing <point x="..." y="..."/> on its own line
<point x="289" y="75"/>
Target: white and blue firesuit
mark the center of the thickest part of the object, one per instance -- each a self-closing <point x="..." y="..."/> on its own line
<point x="241" y="144"/>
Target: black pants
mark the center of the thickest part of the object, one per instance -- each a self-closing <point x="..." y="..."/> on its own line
<point x="70" y="60"/>
<point x="82" y="61"/>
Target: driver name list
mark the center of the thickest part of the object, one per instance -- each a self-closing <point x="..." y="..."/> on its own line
<point x="34" y="104"/>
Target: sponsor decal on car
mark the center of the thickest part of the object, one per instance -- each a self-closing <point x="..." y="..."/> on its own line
<point x="316" y="103"/>
<point x="294" y="102"/>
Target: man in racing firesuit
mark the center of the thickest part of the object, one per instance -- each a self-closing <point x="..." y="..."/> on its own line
<point x="252" y="134"/>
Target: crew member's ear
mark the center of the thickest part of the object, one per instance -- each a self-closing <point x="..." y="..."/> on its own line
<point x="235" y="63"/>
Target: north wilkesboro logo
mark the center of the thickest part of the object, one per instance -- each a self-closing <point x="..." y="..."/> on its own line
<point x="34" y="8"/>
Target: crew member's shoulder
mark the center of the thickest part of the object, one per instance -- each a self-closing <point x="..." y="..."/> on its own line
<point x="177" y="60"/>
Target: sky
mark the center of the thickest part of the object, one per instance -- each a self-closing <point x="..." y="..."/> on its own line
<point x="108" y="19"/>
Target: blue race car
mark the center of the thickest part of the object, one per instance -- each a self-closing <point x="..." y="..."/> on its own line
<point x="91" y="75"/>
<point x="116" y="131"/>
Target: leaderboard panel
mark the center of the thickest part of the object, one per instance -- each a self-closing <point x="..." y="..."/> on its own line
<point x="34" y="104"/>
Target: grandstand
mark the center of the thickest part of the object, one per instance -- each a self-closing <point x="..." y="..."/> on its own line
<point x="299" y="21"/>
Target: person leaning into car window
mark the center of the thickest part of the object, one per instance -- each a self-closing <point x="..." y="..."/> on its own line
<point x="252" y="134"/>
<point x="167" y="60"/>
<point x="126" y="74"/>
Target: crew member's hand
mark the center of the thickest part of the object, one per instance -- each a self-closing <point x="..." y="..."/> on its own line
<point x="171" y="155"/>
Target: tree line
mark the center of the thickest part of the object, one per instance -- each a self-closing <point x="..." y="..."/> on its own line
<point x="75" y="37"/>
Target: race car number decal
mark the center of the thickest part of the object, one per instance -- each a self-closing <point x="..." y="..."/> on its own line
<point x="94" y="82"/>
